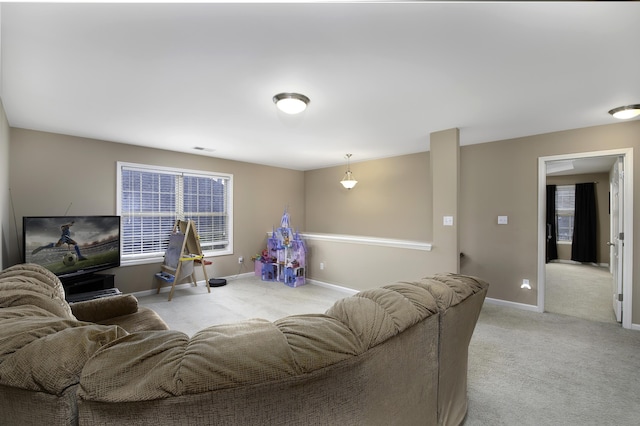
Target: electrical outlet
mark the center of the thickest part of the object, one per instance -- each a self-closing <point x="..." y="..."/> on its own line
<point x="321" y="265"/>
<point x="525" y="284"/>
<point x="241" y="260"/>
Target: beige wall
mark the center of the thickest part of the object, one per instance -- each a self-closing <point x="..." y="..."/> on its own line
<point x="7" y="234"/>
<point x="500" y="178"/>
<point x="365" y="266"/>
<point x="445" y="168"/>
<point x="396" y="198"/>
<point x="602" y="201"/>
<point x="51" y="173"/>
<point x="391" y="200"/>
<point x="497" y="178"/>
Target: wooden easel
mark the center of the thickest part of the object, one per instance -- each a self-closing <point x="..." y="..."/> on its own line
<point x="183" y="250"/>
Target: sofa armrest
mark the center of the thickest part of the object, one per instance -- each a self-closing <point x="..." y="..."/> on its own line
<point x="101" y="309"/>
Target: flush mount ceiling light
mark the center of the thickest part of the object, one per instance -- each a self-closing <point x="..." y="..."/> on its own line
<point x="348" y="180"/>
<point x="626" y="112"/>
<point x="291" y="103"/>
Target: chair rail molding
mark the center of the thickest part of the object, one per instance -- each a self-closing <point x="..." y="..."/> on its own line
<point x="371" y="241"/>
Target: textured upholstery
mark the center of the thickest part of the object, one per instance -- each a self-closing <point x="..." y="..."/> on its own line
<point x="460" y="300"/>
<point x="44" y="347"/>
<point x="102" y="309"/>
<point x="377" y="358"/>
<point x="121" y="310"/>
<point x="40" y="286"/>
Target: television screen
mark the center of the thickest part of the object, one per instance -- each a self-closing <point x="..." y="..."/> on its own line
<point x="72" y="246"/>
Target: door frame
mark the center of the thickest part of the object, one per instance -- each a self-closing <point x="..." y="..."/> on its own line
<point x="627" y="269"/>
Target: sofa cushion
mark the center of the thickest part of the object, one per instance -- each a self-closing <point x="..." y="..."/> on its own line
<point x="156" y="365"/>
<point x="17" y="293"/>
<point x="144" y="319"/>
<point x="38" y="278"/>
<point x="378" y="314"/>
<point x="394" y="383"/>
<point x="121" y="310"/>
<point x="47" y="354"/>
<point x="159" y="364"/>
<point x="317" y="341"/>
<point x="34" y="270"/>
<point x="20" y="325"/>
<point x="97" y="310"/>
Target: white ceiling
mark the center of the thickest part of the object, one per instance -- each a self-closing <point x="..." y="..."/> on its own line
<point x="381" y="77"/>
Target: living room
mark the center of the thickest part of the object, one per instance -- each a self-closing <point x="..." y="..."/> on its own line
<point x="49" y="172"/>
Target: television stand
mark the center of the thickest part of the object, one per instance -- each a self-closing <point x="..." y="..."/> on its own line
<point x="90" y="295"/>
<point x="88" y="283"/>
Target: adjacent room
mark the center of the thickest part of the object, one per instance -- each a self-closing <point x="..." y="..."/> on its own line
<point x="319" y="213"/>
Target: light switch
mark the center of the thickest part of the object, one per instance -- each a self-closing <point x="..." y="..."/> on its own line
<point x="503" y="220"/>
<point x="447" y="220"/>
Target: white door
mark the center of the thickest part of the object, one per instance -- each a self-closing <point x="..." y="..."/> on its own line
<point x="616" y="239"/>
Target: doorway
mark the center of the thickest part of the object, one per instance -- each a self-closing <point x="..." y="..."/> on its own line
<point x="579" y="290"/>
<point x="604" y="159"/>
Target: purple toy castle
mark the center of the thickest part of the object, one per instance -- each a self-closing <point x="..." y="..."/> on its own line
<point x="285" y="256"/>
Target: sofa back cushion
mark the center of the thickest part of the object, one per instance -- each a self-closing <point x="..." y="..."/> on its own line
<point x="371" y="359"/>
<point x="393" y="383"/>
<point x="46" y="353"/>
<point x="34" y="278"/>
<point x="157" y="365"/>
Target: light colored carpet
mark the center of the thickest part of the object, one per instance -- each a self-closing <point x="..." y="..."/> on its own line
<point x="582" y="291"/>
<point x="525" y="368"/>
<point x="247" y="296"/>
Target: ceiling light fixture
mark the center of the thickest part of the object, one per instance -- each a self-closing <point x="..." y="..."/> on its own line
<point x="626" y="112"/>
<point x="348" y="181"/>
<point x="291" y="103"/>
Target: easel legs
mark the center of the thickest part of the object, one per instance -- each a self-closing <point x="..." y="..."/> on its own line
<point x="172" y="278"/>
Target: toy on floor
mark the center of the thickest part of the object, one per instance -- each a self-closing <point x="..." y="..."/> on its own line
<point x="285" y="256"/>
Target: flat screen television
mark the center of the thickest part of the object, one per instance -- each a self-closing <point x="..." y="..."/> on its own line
<point x="72" y="246"/>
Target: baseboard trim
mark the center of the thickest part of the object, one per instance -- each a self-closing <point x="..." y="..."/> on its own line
<point x="573" y="262"/>
<point x="532" y="308"/>
<point x="235" y="277"/>
<point x="167" y="288"/>
<point x="333" y="286"/>
<point x="523" y="306"/>
<point x="164" y="289"/>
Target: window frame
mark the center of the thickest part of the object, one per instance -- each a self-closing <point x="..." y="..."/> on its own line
<point x="155" y="257"/>
<point x="560" y="212"/>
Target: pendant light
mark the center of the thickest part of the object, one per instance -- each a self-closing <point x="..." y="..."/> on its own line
<point x="348" y="181"/>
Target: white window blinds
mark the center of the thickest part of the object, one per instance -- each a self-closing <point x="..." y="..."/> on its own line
<point x="565" y="208"/>
<point x="152" y="198"/>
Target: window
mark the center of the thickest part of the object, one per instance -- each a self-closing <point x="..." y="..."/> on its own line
<point x="565" y="208"/>
<point x="151" y="199"/>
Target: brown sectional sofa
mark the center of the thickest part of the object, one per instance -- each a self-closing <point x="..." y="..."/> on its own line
<point x="391" y="355"/>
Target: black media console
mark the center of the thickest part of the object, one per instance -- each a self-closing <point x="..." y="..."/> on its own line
<point x="89" y="287"/>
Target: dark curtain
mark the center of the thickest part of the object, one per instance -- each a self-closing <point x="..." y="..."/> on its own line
<point x="552" y="248"/>
<point x="584" y="246"/>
